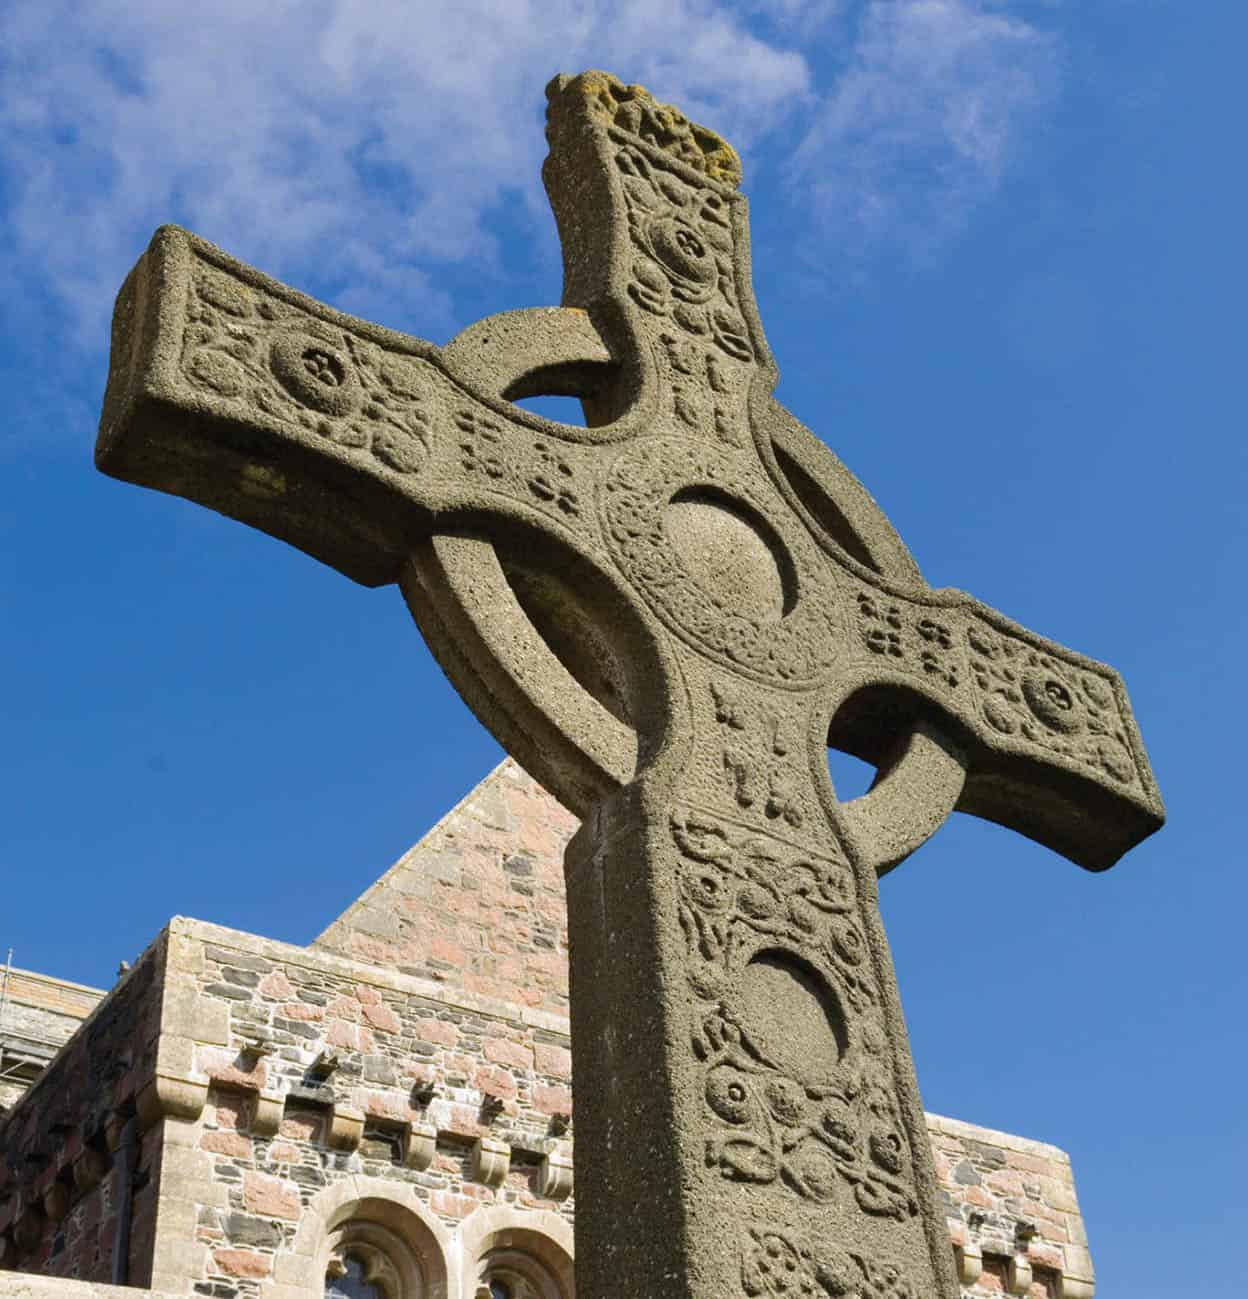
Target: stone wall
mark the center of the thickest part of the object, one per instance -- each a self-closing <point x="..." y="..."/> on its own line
<point x="410" y="1070"/>
<point x="1012" y="1213"/>
<point x="317" y="1071"/>
<point x="478" y="904"/>
<point x="38" y="1015"/>
<point x="77" y="1174"/>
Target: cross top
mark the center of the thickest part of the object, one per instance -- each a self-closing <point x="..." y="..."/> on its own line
<point x="666" y="615"/>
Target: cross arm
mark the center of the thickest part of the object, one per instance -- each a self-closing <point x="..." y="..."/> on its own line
<point x="345" y="439"/>
<point x="241" y="394"/>
<point x="1049" y="742"/>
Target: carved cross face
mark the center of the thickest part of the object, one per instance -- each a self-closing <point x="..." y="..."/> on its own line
<point x="666" y="616"/>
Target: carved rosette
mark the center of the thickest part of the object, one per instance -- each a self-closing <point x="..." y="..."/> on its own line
<point x="254" y="349"/>
<point x="1041" y="699"/>
<point x="795" y="1063"/>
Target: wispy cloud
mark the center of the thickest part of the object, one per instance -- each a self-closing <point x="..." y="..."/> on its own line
<point x="368" y="144"/>
<point x="922" y="121"/>
<point x="366" y="149"/>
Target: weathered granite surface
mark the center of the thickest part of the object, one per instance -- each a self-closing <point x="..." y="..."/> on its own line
<point x="665" y="615"/>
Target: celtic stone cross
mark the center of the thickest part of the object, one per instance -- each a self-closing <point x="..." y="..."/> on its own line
<point x="666" y="615"/>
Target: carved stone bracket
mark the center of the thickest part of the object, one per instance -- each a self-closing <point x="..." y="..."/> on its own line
<point x="266" y="1116"/>
<point x="970" y="1262"/>
<point x="420" y="1147"/>
<point x="1018" y="1275"/>
<point x="89" y="1169"/>
<point x="555" y="1178"/>
<point x="1069" y="1287"/>
<point x="490" y="1161"/>
<point x="168" y="1097"/>
<point x="56" y="1201"/>
<point x="346" y="1128"/>
<point x="28" y="1226"/>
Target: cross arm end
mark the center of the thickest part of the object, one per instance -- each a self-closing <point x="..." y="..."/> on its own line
<point x="240" y="394"/>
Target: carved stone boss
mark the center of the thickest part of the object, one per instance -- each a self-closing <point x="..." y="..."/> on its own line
<point x="666" y="616"/>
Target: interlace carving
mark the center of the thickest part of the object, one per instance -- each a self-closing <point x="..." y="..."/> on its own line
<point x="793" y="650"/>
<point x="776" y="1265"/>
<point x="254" y="349"/>
<point x="742" y="894"/>
<point x="1057" y="705"/>
<point x="633" y="111"/>
<point x="683" y="253"/>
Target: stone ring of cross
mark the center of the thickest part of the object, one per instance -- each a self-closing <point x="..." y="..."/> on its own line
<point x="666" y="615"/>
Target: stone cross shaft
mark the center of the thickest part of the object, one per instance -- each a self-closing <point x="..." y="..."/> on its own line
<point x="666" y="616"/>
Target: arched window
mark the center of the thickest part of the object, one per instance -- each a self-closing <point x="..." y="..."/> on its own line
<point x="368" y="1260"/>
<point x="353" y="1275"/>
<point x="514" y="1261"/>
<point x="379" y="1249"/>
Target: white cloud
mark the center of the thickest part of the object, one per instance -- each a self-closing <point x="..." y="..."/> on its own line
<point x="920" y="125"/>
<point x="365" y="144"/>
<point x="367" y="148"/>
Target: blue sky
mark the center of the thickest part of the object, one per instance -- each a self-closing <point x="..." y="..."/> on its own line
<point x="998" y="253"/>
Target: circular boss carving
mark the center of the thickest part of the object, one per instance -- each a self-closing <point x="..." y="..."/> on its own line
<point x="1053" y="701"/>
<point x="316" y="373"/>
<point x="787" y="635"/>
<point x="681" y="250"/>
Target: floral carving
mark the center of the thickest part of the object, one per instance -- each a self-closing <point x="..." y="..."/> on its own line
<point x="819" y="1136"/>
<point x="736" y="885"/>
<point x="776" y="1265"/>
<point x="909" y="639"/>
<point x="682" y="264"/>
<point x="537" y="473"/>
<point x="1057" y="705"/>
<point x="244" y="345"/>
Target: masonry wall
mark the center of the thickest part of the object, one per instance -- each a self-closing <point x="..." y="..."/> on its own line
<point x="317" y="1071"/>
<point x="478" y="904"/>
<point x="73" y="1160"/>
<point x="417" y="1055"/>
<point x="38" y="1015"/>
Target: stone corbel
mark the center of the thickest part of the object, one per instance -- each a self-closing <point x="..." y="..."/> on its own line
<point x="28" y="1227"/>
<point x="114" y="1128"/>
<point x="89" y="1169"/>
<point x="420" y="1146"/>
<point x="1018" y="1275"/>
<point x="168" y="1097"/>
<point x="1070" y="1287"/>
<point x="970" y="1260"/>
<point x="1074" y="1287"/>
<point x="554" y="1181"/>
<point x="266" y="1116"/>
<point x="346" y="1128"/>
<point x="490" y="1161"/>
<point x="56" y="1201"/>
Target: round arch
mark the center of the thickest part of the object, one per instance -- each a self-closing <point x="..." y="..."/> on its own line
<point x="531" y="1249"/>
<point x="403" y="1247"/>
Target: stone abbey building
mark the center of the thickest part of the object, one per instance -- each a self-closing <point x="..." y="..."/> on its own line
<point x="384" y="1114"/>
